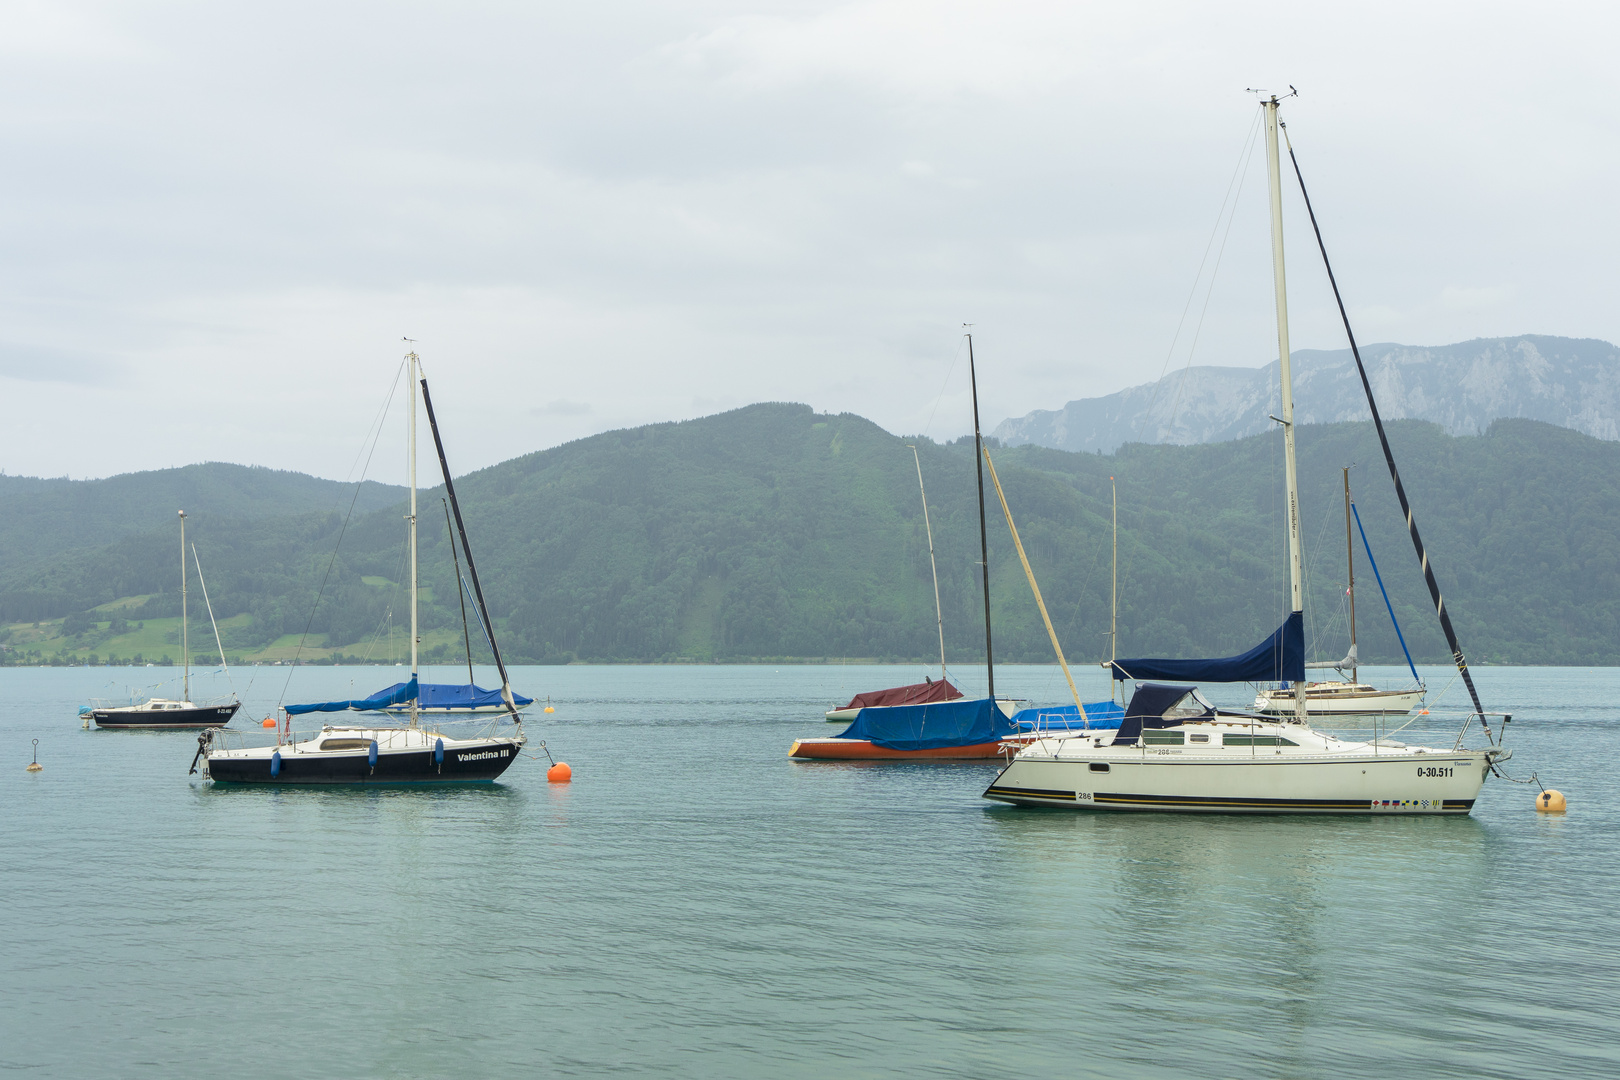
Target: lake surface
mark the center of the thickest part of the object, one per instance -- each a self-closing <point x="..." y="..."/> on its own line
<point x="695" y="904"/>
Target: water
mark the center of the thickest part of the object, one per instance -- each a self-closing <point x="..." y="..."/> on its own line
<point x="695" y="904"/>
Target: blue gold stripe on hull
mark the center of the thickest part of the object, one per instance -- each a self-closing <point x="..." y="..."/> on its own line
<point x="1211" y="803"/>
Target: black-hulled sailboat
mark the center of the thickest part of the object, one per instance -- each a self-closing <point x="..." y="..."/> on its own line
<point x="384" y="753"/>
<point x="167" y="713"/>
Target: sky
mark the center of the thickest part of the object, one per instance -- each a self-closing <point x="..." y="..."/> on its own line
<point x="219" y="222"/>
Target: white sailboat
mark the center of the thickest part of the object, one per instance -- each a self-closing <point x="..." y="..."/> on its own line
<point x="380" y="753"/>
<point x="1344" y="697"/>
<point x="1175" y="751"/>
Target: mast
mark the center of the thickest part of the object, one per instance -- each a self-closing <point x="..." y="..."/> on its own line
<point x="1350" y="561"/>
<point x="939" y="614"/>
<point x="415" y="638"/>
<point x="1113" y="609"/>
<point x="984" y="540"/>
<point x="472" y="568"/>
<point x="1296" y="555"/>
<point x="185" y="641"/>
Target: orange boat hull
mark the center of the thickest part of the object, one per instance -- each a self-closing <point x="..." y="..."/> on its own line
<point x="862" y="750"/>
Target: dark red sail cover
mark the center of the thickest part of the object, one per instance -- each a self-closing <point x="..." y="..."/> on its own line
<point x="924" y="693"/>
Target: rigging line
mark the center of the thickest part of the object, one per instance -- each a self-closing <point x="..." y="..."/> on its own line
<point x="946" y="385"/>
<point x="375" y="423"/>
<point x="1198" y="332"/>
<point x="336" y="547"/>
<point x="1244" y="157"/>
<point x="1394" y="473"/>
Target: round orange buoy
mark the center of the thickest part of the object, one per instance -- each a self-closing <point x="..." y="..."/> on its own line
<point x="268" y="722"/>
<point x="560" y="773"/>
<point x="1550" y="802"/>
<point x="550" y="709"/>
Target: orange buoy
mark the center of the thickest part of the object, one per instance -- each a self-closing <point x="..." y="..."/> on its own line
<point x="548" y="705"/>
<point x="1550" y="802"/>
<point x="560" y="773"/>
<point x="268" y="722"/>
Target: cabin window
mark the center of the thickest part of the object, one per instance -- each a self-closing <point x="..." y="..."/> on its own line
<point x="346" y="744"/>
<point x="1198" y="736"/>
<point x="1099" y="766"/>
<point x="1155" y="737"/>
<point x="1257" y="740"/>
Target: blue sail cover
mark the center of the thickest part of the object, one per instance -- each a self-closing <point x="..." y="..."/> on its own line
<point x="933" y="726"/>
<point x="462" y="696"/>
<point x="395" y="694"/>
<point x="1099" y="714"/>
<point x="1279" y="658"/>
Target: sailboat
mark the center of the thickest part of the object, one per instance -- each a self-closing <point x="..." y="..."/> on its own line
<point x="928" y="690"/>
<point x="164" y="713"/>
<point x="381" y="753"/>
<point x="1340" y="697"/>
<point x="959" y="729"/>
<point x="1176" y="751"/>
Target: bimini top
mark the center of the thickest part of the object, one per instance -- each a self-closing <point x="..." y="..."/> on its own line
<point x="1160" y="705"/>
<point x="933" y="726"/>
<point x="916" y="694"/>
<point x="1279" y="658"/>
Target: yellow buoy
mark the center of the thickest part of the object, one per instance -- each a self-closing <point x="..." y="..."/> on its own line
<point x="35" y="766"/>
<point x="548" y="704"/>
<point x="1550" y="802"/>
<point x="560" y="773"/>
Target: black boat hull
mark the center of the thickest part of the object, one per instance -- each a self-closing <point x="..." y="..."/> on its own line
<point x="470" y="765"/>
<point x="205" y="716"/>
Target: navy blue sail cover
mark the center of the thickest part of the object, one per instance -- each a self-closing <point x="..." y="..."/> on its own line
<point x="1279" y="658"/>
<point x="933" y="726"/>
<point x="395" y="694"/>
<point x="460" y="696"/>
<point x="1099" y="715"/>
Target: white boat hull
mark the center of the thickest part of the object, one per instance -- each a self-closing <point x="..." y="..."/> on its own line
<point x="1354" y="781"/>
<point x="1339" y="699"/>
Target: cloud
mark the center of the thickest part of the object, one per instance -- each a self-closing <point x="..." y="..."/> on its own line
<point x="593" y="216"/>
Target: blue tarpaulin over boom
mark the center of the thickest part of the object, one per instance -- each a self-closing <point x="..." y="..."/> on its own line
<point x="933" y="726"/>
<point x="395" y="694"/>
<point x="1279" y="658"/>
<point x="461" y="696"/>
<point x="1099" y="714"/>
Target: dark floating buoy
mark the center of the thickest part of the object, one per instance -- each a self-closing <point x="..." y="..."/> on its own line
<point x="438" y="751"/>
<point x="275" y="763"/>
<point x="35" y="766"/>
<point x="371" y="754"/>
<point x="1550" y="802"/>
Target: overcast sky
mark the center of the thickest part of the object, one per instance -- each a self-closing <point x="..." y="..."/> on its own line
<point x="219" y="220"/>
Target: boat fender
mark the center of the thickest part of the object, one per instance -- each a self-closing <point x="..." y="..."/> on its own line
<point x="275" y="763"/>
<point x="1550" y="802"/>
<point x="438" y="751"/>
<point x="371" y="754"/>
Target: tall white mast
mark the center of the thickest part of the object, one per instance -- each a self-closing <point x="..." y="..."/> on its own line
<point x="939" y="613"/>
<point x="185" y="642"/>
<point x="415" y="637"/>
<point x="1296" y="555"/>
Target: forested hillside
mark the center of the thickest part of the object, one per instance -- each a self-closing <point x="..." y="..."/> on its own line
<point x="776" y="532"/>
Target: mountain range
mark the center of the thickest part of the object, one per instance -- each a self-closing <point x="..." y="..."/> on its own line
<point x="775" y="532"/>
<point x="1570" y="382"/>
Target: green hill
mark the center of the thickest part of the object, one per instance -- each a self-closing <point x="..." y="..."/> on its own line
<point x="776" y="532"/>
